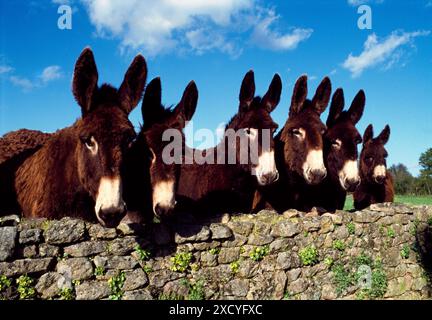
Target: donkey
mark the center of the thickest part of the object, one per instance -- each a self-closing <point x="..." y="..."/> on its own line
<point x="228" y="185"/>
<point x="77" y="171"/>
<point x="15" y="147"/>
<point x="376" y="181"/>
<point x="150" y="180"/>
<point x="299" y="149"/>
<point x="340" y="156"/>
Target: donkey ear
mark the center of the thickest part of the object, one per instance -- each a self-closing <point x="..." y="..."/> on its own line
<point x="336" y="107"/>
<point x="85" y="80"/>
<point x="384" y="135"/>
<point x="357" y="107"/>
<point x="299" y="95"/>
<point x="151" y="105"/>
<point x="272" y="97"/>
<point x="368" y="134"/>
<point x="322" y="95"/>
<point x="247" y="91"/>
<point x="187" y="106"/>
<point x="133" y="84"/>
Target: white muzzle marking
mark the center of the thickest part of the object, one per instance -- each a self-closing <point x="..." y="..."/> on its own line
<point x="109" y="196"/>
<point x="349" y="172"/>
<point x="266" y="166"/>
<point x="314" y="162"/>
<point x="379" y="171"/>
<point x="164" y="194"/>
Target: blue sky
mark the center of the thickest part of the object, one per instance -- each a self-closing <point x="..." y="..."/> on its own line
<point x="215" y="43"/>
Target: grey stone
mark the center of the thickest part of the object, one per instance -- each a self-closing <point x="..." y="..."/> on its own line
<point x="237" y="288"/>
<point x="86" y="249"/>
<point x="76" y="268"/>
<point x="297" y="286"/>
<point x="49" y="285"/>
<point x="96" y="231"/>
<point x="115" y="262"/>
<point x="64" y="231"/>
<point x="159" y="278"/>
<point x="141" y="294"/>
<point x="92" y="290"/>
<point x="281" y="245"/>
<point x="284" y="260"/>
<point x="191" y="233"/>
<point x="47" y="250"/>
<point x="220" y="231"/>
<point x="7" y="242"/>
<point x="208" y="259"/>
<point x="25" y="266"/>
<point x="293" y="274"/>
<point x="237" y="241"/>
<point x="248" y="269"/>
<point x="228" y="255"/>
<point x="285" y="229"/>
<point x="30" y="236"/>
<point x="29" y="251"/>
<point x="122" y="246"/>
<point x="243" y="228"/>
<point x="135" y="279"/>
<point x="9" y="221"/>
<point x="259" y="240"/>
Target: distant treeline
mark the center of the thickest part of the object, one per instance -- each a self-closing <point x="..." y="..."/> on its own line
<point x="406" y="184"/>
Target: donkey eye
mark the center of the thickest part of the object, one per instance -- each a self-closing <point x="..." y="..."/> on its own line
<point x="296" y="132"/>
<point x="90" y="144"/>
<point x="369" y="159"/>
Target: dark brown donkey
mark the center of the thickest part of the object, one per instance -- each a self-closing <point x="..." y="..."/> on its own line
<point x="299" y="149"/>
<point x="15" y="147"/>
<point x="376" y="182"/>
<point x="225" y="181"/>
<point x="77" y="171"/>
<point x="150" y="178"/>
<point x="340" y="156"/>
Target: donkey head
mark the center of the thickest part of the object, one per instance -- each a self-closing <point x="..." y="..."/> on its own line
<point x="254" y="122"/>
<point x="302" y="134"/>
<point x="373" y="166"/>
<point x="104" y="133"/>
<point x="160" y="121"/>
<point x="341" y="140"/>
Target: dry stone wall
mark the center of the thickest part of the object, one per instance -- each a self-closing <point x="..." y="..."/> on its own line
<point x="383" y="252"/>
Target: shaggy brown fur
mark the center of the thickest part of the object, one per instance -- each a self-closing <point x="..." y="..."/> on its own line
<point x="15" y="147"/>
<point x="144" y="166"/>
<point x="301" y="134"/>
<point x="340" y="146"/>
<point x="63" y="177"/>
<point x="215" y="188"/>
<point x="374" y="188"/>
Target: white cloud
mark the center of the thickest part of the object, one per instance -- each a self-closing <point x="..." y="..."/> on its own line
<point x="23" y="83"/>
<point x="360" y="2"/>
<point x="50" y="73"/>
<point x="265" y="38"/>
<point x="387" y="51"/>
<point x="5" y="69"/>
<point x="185" y="25"/>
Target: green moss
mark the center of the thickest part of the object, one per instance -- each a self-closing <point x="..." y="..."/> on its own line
<point x="195" y="290"/>
<point x="5" y="283"/>
<point x="99" y="271"/>
<point x="309" y="256"/>
<point x="328" y="261"/>
<point x="67" y="294"/>
<point x="170" y="296"/>
<point x="390" y="232"/>
<point x="214" y="251"/>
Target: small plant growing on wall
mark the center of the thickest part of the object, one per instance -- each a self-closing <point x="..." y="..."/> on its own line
<point x="116" y="285"/>
<point x="143" y="254"/>
<point x="309" y="256"/>
<point x="259" y="253"/>
<point x="25" y="287"/>
<point x="181" y="261"/>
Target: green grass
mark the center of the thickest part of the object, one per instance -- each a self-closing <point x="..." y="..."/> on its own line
<point x="413" y="200"/>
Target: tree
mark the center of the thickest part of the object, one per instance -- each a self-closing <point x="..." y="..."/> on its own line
<point x="403" y="179"/>
<point x="426" y="163"/>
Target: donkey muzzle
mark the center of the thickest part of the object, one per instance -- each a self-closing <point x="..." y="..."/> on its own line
<point x="110" y="218"/>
